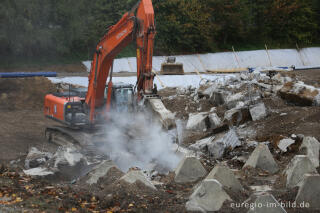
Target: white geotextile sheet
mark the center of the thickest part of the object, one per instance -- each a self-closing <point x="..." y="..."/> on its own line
<point x="307" y="57"/>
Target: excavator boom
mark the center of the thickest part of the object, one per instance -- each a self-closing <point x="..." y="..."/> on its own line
<point x="139" y="27"/>
<point x="136" y="25"/>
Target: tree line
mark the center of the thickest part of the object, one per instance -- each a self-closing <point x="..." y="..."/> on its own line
<point x="49" y="29"/>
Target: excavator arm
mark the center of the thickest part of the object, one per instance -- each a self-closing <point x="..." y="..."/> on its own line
<point x="139" y="27"/>
<point x="87" y="108"/>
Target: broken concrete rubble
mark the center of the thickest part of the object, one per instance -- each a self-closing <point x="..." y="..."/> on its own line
<point x="310" y="147"/>
<point x="309" y="191"/>
<point x="136" y="175"/>
<point x="228" y="140"/>
<point x="206" y="91"/>
<point x="298" y="166"/>
<point x="39" y="171"/>
<point x="99" y="171"/>
<point x="198" y="121"/>
<point x="258" y="111"/>
<point x="226" y="177"/>
<point x="209" y="196"/>
<point x="202" y="145"/>
<point x="262" y="158"/>
<point x="189" y="169"/>
<point x="236" y="117"/>
<point x="214" y="120"/>
<point x="36" y="158"/>
<point x="300" y="94"/>
<point x="217" y="97"/>
<point x="166" y="117"/>
<point x="266" y="203"/>
<point x="233" y="99"/>
<point x="285" y="143"/>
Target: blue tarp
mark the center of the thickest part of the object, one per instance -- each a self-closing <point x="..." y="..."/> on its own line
<point x="26" y="74"/>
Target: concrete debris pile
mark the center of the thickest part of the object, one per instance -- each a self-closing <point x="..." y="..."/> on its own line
<point x="216" y="131"/>
<point x="300" y="94"/>
<point x="67" y="163"/>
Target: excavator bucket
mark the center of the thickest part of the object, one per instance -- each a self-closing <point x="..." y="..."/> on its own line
<point x="170" y="67"/>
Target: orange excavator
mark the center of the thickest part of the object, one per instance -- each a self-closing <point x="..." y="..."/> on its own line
<point x="80" y="108"/>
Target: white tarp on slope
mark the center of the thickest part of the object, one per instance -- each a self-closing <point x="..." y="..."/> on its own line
<point x="307" y="57"/>
<point x="167" y="80"/>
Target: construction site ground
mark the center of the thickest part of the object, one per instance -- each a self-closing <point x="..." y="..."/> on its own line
<point x="22" y="126"/>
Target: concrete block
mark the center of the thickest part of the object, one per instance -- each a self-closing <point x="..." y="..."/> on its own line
<point x="262" y="158"/>
<point x="198" y="121"/>
<point x="209" y="196"/>
<point x="300" y="94"/>
<point x="298" y="166"/>
<point x="202" y="145"/>
<point x="266" y="203"/>
<point x="99" y="171"/>
<point x="229" y="140"/>
<point x="310" y="147"/>
<point x="236" y="116"/>
<point x="214" y="120"/>
<point x="258" y="112"/>
<point x="135" y="175"/>
<point x="232" y="100"/>
<point x="285" y="143"/>
<point x="309" y="192"/>
<point x="36" y="158"/>
<point x="226" y="177"/>
<point x="166" y="117"/>
<point x="217" y="97"/>
<point x="189" y="169"/>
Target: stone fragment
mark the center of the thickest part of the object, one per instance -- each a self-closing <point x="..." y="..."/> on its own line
<point x="258" y="112"/>
<point x="285" y="143"/>
<point x="300" y="94"/>
<point x="217" y="97"/>
<point x="232" y="100"/>
<point x="309" y="192"/>
<point x="214" y="120"/>
<point x="189" y="169"/>
<point x="39" y="171"/>
<point x="310" y="147"/>
<point x="206" y="91"/>
<point x="202" y="145"/>
<point x="266" y="203"/>
<point x="136" y="175"/>
<point x="229" y="140"/>
<point x="295" y="170"/>
<point x="226" y="177"/>
<point x="216" y="149"/>
<point x="198" y="121"/>
<point x="36" y="158"/>
<point x="166" y="117"/>
<point x="262" y="158"/>
<point x="99" y="171"/>
<point x="209" y="196"/>
<point x="236" y="117"/>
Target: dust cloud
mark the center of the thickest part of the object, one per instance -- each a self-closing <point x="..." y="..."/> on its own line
<point x="135" y="140"/>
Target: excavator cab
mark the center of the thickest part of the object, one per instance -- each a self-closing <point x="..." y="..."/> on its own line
<point x="122" y="97"/>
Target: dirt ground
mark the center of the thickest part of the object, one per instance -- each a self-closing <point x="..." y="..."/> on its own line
<point x="22" y="126"/>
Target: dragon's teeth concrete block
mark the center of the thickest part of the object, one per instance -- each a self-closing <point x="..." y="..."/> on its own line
<point x="189" y="169"/>
<point x="226" y="177"/>
<point x="295" y="170"/>
<point x="262" y="158"/>
<point x="209" y="196"/>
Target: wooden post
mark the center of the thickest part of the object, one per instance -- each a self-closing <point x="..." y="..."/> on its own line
<point x="235" y="55"/>
<point x="268" y="55"/>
